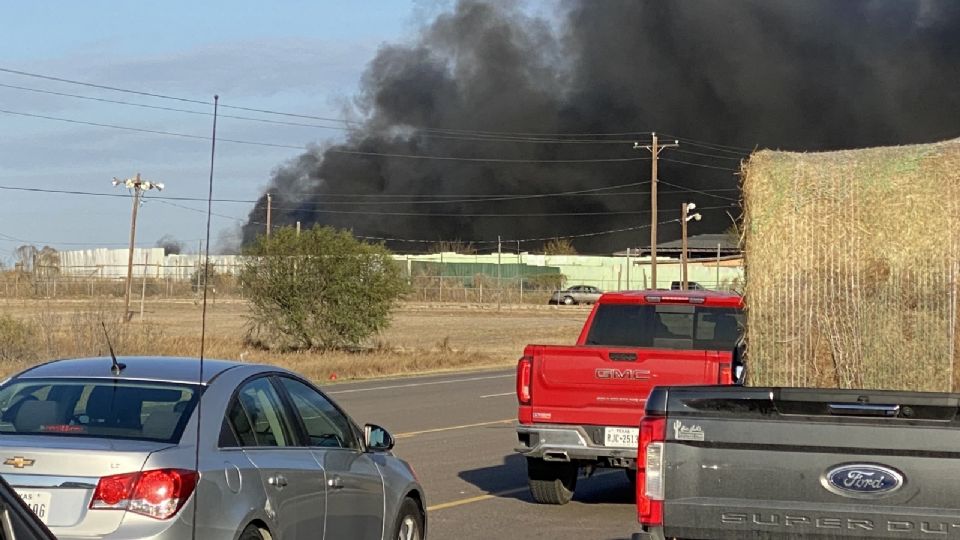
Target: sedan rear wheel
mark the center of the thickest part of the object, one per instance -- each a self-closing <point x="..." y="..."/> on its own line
<point x="252" y="532"/>
<point x="409" y="521"/>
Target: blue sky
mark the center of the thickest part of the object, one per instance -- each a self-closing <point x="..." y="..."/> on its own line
<point x="305" y="56"/>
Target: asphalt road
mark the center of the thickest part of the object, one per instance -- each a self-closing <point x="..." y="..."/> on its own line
<point x="457" y="430"/>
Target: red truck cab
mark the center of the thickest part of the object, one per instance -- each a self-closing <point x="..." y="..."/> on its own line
<point x="579" y="405"/>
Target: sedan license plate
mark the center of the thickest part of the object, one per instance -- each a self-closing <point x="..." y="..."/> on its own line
<point x="621" y="437"/>
<point x="38" y="501"/>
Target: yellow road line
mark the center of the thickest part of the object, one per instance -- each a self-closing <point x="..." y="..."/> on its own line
<point x="488" y="496"/>
<point x="409" y="434"/>
<point x="478" y="498"/>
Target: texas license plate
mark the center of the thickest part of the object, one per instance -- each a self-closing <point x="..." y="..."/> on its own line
<point x="621" y="437"/>
<point x="38" y="501"/>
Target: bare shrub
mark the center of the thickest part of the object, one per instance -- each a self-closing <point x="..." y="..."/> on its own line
<point x="17" y="340"/>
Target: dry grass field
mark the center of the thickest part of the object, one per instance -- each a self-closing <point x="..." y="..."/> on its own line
<point x="421" y="338"/>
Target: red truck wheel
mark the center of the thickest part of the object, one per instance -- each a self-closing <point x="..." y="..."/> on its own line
<point x="551" y="482"/>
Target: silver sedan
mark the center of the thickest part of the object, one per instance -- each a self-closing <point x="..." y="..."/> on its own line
<point x="578" y="294"/>
<point x="148" y="447"/>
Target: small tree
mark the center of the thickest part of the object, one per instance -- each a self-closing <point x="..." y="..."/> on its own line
<point x="319" y="289"/>
<point x="453" y="246"/>
<point x="559" y="246"/>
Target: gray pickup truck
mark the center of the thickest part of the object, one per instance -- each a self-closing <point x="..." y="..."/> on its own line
<point x="793" y="463"/>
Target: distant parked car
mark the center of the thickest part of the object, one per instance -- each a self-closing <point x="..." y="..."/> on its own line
<point x="99" y="450"/>
<point x="578" y="294"/>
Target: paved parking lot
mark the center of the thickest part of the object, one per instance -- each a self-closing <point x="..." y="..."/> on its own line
<point x="457" y="431"/>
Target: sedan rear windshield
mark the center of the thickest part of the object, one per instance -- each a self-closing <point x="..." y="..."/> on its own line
<point x="667" y="326"/>
<point x="96" y="408"/>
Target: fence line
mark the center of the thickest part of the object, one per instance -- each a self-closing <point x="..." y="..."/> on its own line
<point x="158" y="281"/>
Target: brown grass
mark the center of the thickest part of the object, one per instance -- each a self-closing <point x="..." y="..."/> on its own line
<point x="422" y="337"/>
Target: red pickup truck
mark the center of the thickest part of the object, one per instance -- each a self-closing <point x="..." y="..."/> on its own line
<point x="580" y="405"/>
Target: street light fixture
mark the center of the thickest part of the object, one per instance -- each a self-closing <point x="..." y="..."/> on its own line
<point x="685" y="216"/>
<point x="137" y="186"/>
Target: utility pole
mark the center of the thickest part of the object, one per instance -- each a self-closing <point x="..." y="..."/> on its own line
<point x="628" y="269"/>
<point x="684" y="218"/>
<point x="655" y="148"/>
<point x="499" y="274"/>
<point x="199" y="264"/>
<point x="520" y="272"/>
<point x="137" y="186"/>
<point x="683" y="247"/>
<point x="269" y="211"/>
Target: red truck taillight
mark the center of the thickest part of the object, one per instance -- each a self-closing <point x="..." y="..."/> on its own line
<point x="725" y="373"/>
<point x="650" y="488"/>
<point x="524" y="376"/>
<point x="158" y="493"/>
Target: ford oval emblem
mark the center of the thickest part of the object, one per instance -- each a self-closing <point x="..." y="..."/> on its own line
<point x="862" y="480"/>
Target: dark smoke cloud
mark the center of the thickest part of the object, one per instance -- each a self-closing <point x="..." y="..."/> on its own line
<point x="800" y="75"/>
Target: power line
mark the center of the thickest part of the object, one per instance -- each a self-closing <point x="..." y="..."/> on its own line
<point x="169" y="109"/>
<point x="594" y="192"/>
<point x="716" y="146"/>
<point x="691" y="190"/>
<point x="423" y="241"/>
<point x="8" y="238"/>
<point x="486" y="198"/>
<point x="441" y="215"/>
<point x="493" y="160"/>
<point x="168" y="201"/>
<point x="484" y="138"/>
<point x="473" y="215"/>
<point x="700" y="165"/>
<point x="141" y="130"/>
<point x="295" y="115"/>
<point x="589" y="192"/>
<point x="329" y="150"/>
<point x="713" y="156"/>
<point x="522" y="240"/>
<point x="719" y="190"/>
<point x="482" y="133"/>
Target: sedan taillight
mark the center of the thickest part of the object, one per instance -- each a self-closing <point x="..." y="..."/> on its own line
<point x="158" y="493"/>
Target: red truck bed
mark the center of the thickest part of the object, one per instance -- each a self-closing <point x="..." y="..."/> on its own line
<point x="579" y="405"/>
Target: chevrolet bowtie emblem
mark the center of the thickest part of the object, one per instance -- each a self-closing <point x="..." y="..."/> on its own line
<point x="19" y="462"/>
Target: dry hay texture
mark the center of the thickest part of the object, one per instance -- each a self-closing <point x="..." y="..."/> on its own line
<point x="852" y="264"/>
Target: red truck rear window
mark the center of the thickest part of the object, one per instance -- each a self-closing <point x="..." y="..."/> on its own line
<point x="666" y="326"/>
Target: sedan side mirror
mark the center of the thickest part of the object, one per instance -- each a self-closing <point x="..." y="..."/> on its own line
<point x="377" y="439"/>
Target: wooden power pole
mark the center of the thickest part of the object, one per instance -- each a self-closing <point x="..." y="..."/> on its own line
<point x="655" y="148"/>
<point x="133" y="236"/>
<point x="685" y="216"/>
<point x="137" y="186"/>
<point x="683" y="248"/>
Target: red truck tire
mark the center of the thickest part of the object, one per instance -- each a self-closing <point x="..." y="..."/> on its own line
<point x="552" y="482"/>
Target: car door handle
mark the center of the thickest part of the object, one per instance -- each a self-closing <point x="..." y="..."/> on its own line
<point x="277" y="481"/>
<point x="335" y="482"/>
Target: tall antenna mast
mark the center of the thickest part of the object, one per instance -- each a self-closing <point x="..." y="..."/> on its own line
<point x="203" y="317"/>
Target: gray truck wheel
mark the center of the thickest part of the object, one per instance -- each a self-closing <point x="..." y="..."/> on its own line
<point x="551" y="483"/>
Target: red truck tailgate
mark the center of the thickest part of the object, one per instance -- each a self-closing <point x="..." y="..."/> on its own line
<point x="609" y="386"/>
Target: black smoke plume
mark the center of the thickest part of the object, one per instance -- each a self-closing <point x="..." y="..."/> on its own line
<point x="487" y="79"/>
